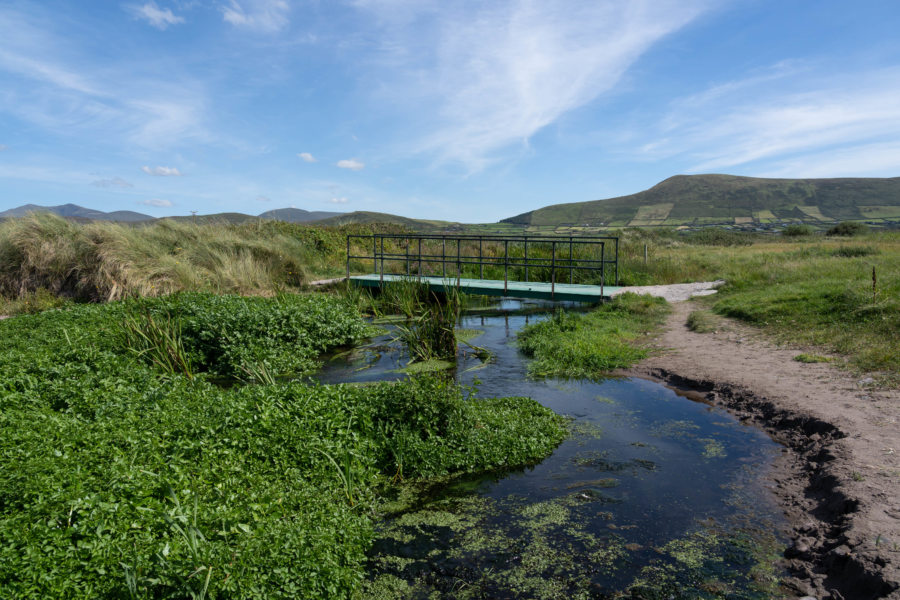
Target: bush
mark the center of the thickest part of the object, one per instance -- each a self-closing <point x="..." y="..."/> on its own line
<point x="798" y="230"/>
<point x="848" y="228"/>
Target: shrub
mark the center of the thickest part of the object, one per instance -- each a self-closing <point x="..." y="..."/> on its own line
<point x="798" y="230"/>
<point x="848" y="228"/>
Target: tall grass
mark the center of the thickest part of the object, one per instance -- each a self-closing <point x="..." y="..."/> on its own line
<point x="109" y="261"/>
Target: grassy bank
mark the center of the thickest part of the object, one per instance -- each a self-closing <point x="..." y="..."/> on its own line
<point x="590" y="345"/>
<point x="807" y="290"/>
<point x="109" y="261"/>
<point x="139" y="460"/>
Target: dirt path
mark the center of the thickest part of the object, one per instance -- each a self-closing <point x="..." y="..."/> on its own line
<point x="839" y="476"/>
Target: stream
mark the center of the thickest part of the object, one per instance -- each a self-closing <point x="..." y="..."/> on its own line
<point x="655" y="494"/>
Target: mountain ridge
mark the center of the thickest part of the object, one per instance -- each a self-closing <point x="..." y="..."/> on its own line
<point x="719" y="198"/>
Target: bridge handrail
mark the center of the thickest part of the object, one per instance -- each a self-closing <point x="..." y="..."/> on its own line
<point x="563" y="263"/>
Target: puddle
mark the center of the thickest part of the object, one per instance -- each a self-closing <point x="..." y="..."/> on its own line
<point x="653" y="495"/>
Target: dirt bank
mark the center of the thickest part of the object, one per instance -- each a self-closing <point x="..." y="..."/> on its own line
<point x="838" y="478"/>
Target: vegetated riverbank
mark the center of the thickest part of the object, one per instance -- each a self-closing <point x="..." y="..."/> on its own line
<point x="149" y="448"/>
<point x="839" y="477"/>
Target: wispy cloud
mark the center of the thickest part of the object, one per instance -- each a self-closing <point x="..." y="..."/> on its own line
<point x="338" y="200"/>
<point x="263" y="199"/>
<point x="161" y="171"/>
<point x="158" y="17"/>
<point x="352" y="164"/>
<point x="266" y="16"/>
<point x="752" y="125"/>
<point x="497" y="73"/>
<point x="3" y="147"/>
<point x="59" y="88"/>
<point x="307" y="157"/>
<point x="115" y="182"/>
<point x="156" y="202"/>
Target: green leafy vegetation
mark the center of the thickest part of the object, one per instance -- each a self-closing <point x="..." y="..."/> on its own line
<point x="589" y="345"/>
<point x="848" y="228"/>
<point x="123" y="476"/>
<point x="811" y="358"/>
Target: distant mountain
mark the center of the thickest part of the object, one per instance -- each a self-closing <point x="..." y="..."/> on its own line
<point x="298" y="215"/>
<point x="79" y="212"/>
<point x="705" y="199"/>
<point x="362" y="216"/>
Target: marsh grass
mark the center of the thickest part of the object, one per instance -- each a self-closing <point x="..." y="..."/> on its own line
<point x="590" y="345"/>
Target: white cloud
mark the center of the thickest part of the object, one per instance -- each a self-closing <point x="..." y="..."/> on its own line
<point x="259" y="15"/>
<point x="161" y="171"/>
<point x="3" y="147"/>
<point x="494" y="74"/>
<point x="834" y="124"/>
<point x="263" y="199"/>
<point x="339" y="200"/>
<point x="156" y="202"/>
<point x="307" y="157"/>
<point x="115" y="182"/>
<point x="352" y="164"/>
<point x="157" y="17"/>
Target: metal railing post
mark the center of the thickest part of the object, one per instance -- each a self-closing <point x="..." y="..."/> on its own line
<point x="407" y="257"/>
<point x="571" y="270"/>
<point x="505" y="266"/>
<point x="374" y="253"/>
<point x="526" y="259"/>
<point x="617" y="260"/>
<point x="443" y="257"/>
<point x="348" y="257"/>
<point x="602" y="265"/>
<point x="420" y="258"/>
<point x="552" y="270"/>
<point x="480" y="258"/>
<point x="382" y="262"/>
<point x="458" y="271"/>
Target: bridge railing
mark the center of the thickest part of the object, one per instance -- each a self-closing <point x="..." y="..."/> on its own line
<point x="555" y="259"/>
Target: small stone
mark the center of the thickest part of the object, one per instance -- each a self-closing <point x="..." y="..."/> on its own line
<point x="807" y="598"/>
<point x="841" y="551"/>
<point x="865" y="381"/>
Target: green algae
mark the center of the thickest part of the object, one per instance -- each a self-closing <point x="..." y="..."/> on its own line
<point x="712" y="448"/>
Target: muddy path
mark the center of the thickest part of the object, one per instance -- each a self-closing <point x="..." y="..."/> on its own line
<point x="838" y="478"/>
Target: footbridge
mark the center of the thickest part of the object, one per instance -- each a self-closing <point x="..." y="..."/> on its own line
<point x="548" y="267"/>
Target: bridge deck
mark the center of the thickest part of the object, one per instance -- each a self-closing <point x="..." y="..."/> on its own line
<point x="494" y="287"/>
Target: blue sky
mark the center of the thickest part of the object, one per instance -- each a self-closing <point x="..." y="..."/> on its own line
<point x="468" y="111"/>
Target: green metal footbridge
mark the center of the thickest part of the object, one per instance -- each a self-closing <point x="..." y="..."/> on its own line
<point x="522" y="266"/>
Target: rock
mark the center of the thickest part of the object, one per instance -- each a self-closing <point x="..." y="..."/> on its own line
<point x="865" y="381"/>
<point x="842" y="550"/>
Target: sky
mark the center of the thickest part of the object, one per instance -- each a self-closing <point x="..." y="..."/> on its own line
<point x="454" y="110"/>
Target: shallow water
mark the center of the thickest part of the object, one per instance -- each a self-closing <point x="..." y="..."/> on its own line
<point x="653" y="494"/>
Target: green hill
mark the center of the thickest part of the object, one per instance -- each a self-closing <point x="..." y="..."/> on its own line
<point x="366" y="217"/>
<point x="730" y="199"/>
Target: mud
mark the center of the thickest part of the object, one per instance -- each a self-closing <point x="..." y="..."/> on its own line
<point x="838" y="478"/>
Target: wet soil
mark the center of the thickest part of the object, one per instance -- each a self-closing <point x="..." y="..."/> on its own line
<point x="838" y="478"/>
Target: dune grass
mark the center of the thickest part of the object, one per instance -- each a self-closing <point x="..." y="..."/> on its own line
<point x="110" y="261"/>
